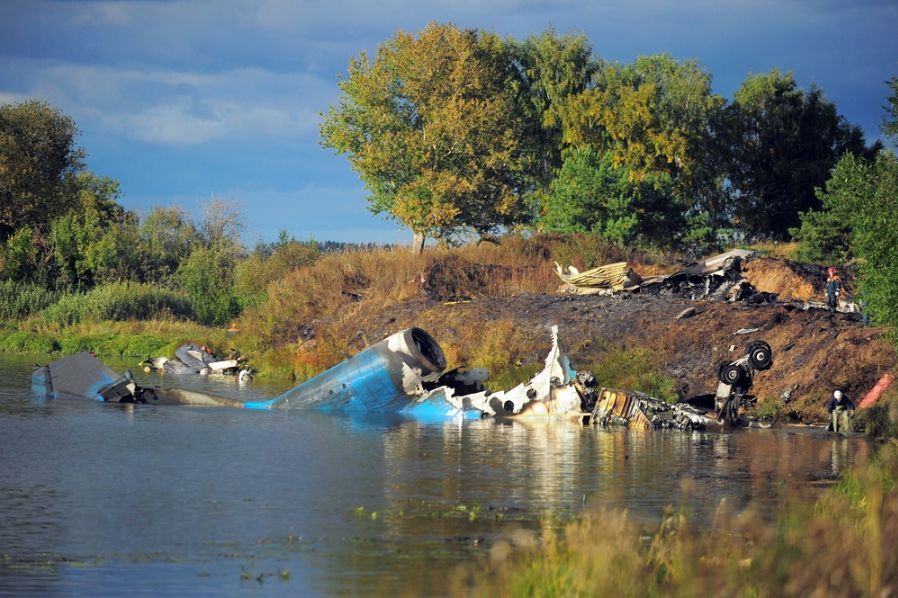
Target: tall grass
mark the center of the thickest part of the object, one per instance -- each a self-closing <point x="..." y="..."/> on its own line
<point x="635" y="368"/>
<point x="116" y="302"/>
<point x="133" y="338"/>
<point x="841" y="545"/>
<point x="21" y="299"/>
<point x="339" y="297"/>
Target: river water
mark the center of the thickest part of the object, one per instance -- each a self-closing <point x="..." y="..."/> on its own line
<point x="99" y="499"/>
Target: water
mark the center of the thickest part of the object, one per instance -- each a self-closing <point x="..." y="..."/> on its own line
<point x="112" y="499"/>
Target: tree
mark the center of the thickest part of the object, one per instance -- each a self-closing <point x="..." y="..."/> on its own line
<point x="222" y="223"/>
<point x="432" y="127"/>
<point x="38" y="163"/>
<point x="207" y="277"/>
<point x="554" y="69"/>
<point x="783" y="142"/>
<point x="74" y="235"/>
<point x="874" y="237"/>
<point x="653" y="115"/>
<point x="890" y="118"/>
<point x="591" y="194"/>
<point x="825" y="235"/>
<point x="652" y="118"/>
<point x="167" y="236"/>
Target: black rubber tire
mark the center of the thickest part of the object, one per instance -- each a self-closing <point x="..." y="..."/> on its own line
<point x="732" y="374"/>
<point x="760" y="355"/>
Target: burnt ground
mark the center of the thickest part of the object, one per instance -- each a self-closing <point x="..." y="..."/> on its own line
<point x="814" y="351"/>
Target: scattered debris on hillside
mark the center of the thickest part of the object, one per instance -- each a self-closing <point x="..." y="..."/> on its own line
<point x="735" y="276"/>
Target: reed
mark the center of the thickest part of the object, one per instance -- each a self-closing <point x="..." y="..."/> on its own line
<point x="839" y="545"/>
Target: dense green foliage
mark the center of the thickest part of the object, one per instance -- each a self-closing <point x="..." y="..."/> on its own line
<point x="457" y="130"/>
<point x="207" y="277"/>
<point x="433" y="127"/>
<point x="875" y="238"/>
<point x="38" y="161"/>
<point x="783" y="142"/>
<point x="118" y="301"/>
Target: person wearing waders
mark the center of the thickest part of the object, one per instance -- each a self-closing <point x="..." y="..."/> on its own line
<point x="833" y="288"/>
<point x="838" y="406"/>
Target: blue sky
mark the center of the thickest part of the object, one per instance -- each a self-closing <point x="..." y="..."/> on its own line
<point x="184" y="101"/>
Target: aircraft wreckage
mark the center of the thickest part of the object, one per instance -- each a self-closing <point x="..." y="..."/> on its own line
<point x="404" y="374"/>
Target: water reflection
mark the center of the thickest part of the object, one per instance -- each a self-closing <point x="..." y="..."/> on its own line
<point x="184" y="498"/>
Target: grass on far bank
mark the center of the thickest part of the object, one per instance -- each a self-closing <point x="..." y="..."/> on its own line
<point x="133" y="338"/>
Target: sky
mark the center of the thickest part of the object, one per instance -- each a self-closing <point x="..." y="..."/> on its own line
<point x="188" y="101"/>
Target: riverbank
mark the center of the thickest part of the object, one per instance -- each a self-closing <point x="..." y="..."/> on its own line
<point x="842" y="544"/>
<point x="491" y="306"/>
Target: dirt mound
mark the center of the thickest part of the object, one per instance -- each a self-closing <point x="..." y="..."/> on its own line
<point x="814" y="351"/>
<point x="452" y="278"/>
<point x="789" y="280"/>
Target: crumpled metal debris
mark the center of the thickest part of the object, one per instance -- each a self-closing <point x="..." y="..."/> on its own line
<point x="639" y="410"/>
<point x="191" y="358"/>
<point x="83" y="376"/>
<point x="602" y="280"/>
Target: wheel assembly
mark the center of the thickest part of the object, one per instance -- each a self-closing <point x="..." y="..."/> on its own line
<point x="732" y="374"/>
<point x="760" y="355"/>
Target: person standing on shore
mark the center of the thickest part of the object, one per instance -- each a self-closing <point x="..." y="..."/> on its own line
<point x="833" y="289"/>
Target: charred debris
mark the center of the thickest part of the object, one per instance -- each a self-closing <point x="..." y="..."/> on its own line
<point x="735" y="276"/>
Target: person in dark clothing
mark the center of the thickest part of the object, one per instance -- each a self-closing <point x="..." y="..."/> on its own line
<point x="833" y="288"/>
<point x="840" y="410"/>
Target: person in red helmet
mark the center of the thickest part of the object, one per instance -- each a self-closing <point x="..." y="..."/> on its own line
<point x="833" y="288"/>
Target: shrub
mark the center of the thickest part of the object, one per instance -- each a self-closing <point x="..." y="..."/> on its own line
<point x="21" y="299"/>
<point x="207" y="277"/>
<point x="23" y="342"/>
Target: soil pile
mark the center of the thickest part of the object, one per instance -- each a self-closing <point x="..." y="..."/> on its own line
<point x="788" y="280"/>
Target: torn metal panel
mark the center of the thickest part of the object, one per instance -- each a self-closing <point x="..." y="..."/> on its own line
<point x="640" y="411"/>
<point x="543" y="387"/>
<point x="604" y="279"/>
<point x="81" y="375"/>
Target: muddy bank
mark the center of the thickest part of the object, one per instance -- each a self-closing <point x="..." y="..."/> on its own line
<point x="814" y="351"/>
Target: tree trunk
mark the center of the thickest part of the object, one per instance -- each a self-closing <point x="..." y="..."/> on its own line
<point x="418" y="243"/>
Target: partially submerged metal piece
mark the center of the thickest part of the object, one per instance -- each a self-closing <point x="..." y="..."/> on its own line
<point x="83" y="376"/>
<point x="402" y="374"/>
<point x="639" y="410"/>
<point x="382" y="378"/>
<point x="736" y="377"/>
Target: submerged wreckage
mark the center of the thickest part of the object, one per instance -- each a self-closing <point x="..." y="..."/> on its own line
<point x="404" y="374"/>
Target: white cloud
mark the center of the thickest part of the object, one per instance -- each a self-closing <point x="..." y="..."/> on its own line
<point x="104" y="13"/>
<point x="11" y="98"/>
<point x="184" y="124"/>
<point x="179" y="108"/>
